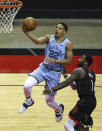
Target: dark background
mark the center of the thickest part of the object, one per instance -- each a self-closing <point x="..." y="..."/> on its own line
<point x="62" y="4"/>
<point x="61" y="9"/>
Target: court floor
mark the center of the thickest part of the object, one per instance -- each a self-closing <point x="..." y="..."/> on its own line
<point x="38" y="117"/>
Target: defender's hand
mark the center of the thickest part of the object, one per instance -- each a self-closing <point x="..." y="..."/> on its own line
<point x="46" y="91"/>
<point x="73" y="85"/>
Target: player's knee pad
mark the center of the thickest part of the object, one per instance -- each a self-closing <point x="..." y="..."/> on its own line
<point x="30" y="82"/>
<point x="26" y="86"/>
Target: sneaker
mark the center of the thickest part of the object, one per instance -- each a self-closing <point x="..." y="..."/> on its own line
<point x="59" y="113"/>
<point x="25" y="105"/>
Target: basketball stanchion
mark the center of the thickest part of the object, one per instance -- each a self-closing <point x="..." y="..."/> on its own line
<point x="8" y="11"/>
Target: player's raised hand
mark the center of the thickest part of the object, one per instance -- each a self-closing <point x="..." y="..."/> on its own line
<point x="46" y="91"/>
<point x="24" y="29"/>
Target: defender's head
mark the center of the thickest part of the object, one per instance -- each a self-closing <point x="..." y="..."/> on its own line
<point x="85" y="61"/>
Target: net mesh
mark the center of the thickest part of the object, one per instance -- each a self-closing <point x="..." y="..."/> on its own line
<point x="8" y="11"/>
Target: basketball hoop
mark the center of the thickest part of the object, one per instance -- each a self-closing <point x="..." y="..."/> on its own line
<point x="8" y="11"/>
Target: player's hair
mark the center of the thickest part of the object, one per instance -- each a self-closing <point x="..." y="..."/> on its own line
<point x="65" y="26"/>
<point x="89" y="59"/>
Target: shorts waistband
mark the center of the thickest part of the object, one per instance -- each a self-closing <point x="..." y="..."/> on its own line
<point x="51" y="68"/>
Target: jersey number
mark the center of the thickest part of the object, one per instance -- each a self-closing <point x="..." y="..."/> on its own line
<point x="54" y="54"/>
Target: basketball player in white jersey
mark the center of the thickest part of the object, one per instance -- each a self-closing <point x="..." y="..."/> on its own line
<point x="58" y="52"/>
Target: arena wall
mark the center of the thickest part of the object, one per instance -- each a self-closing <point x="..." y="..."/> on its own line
<point x="21" y="61"/>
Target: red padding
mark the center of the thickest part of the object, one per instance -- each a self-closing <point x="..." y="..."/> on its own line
<point x="19" y="63"/>
<point x="27" y="63"/>
<point x="96" y="66"/>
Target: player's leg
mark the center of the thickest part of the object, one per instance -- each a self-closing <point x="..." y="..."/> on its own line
<point x="52" y="81"/>
<point x="34" y="78"/>
<point x="80" y="114"/>
<point x="73" y="119"/>
<point x="53" y="104"/>
<point x="69" y="125"/>
<point x="30" y="82"/>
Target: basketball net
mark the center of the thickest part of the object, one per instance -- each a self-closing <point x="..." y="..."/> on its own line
<point x="8" y="11"/>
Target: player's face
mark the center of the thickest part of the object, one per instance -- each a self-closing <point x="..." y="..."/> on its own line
<point x="81" y="61"/>
<point x="60" y="31"/>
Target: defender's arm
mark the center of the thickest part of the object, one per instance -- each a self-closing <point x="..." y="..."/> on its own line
<point x="77" y="74"/>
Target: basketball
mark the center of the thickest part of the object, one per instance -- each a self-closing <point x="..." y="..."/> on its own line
<point x="30" y="23"/>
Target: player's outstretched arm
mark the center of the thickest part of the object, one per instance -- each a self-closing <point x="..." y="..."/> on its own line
<point x="77" y="73"/>
<point x="41" y="40"/>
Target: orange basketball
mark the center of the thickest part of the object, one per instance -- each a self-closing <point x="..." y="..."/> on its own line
<point x="30" y="23"/>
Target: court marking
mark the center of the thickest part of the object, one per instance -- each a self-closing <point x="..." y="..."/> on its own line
<point x="44" y="85"/>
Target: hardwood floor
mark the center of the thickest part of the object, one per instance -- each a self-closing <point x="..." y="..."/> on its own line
<point x="39" y="117"/>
